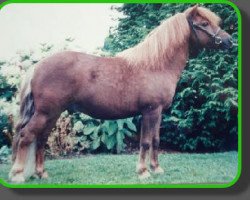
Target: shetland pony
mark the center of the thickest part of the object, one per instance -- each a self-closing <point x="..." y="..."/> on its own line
<point x="138" y="81"/>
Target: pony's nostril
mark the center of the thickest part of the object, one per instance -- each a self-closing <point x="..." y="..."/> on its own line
<point x="218" y="40"/>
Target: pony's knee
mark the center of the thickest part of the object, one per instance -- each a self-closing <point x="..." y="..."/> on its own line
<point x="145" y="145"/>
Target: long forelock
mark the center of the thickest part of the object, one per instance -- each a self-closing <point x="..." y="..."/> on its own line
<point x="161" y="43"/>
<point x="209" y="15"/>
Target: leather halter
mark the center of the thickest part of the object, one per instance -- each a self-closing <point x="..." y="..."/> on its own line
<point x="217" y="39"/>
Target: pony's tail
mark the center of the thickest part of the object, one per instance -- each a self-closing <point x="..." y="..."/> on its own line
<point x="27" y="107"/>
<point x="27" y="110"/>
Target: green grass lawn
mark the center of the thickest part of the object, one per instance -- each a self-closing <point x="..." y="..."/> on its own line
<point x="120" y="169"/>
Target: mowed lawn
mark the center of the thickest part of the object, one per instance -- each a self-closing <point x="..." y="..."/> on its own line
<point x="120" y="169"/>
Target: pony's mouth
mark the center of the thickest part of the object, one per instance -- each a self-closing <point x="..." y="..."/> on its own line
<point x="227" y="44"/>
<point x="224" y="46"/>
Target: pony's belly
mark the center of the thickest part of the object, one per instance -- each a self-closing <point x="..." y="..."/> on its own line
<point x="104" y="112"/>
<point x="112" y="116"/>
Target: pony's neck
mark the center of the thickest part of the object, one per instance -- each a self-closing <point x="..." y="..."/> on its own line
<point x="178" y="61"/>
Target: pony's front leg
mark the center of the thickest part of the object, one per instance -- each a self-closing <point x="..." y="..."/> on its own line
<point x="41" y="142"/>
<point x="154" y="163"/>
<point x="150" y="124"/>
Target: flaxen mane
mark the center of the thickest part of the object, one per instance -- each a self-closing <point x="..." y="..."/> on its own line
<point x="164" y="41"/>
<point x="160" y="44"/>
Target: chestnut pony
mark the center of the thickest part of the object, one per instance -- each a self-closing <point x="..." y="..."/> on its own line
<point x="138" y="81"/>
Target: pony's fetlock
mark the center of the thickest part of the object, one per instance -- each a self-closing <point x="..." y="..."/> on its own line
<point x="15" y="170"/>
<point x="144" y="175"/>
<point x="41" y="174"/>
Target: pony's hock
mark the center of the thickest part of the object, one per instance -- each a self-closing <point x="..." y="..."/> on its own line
<point x="141" y="81"/>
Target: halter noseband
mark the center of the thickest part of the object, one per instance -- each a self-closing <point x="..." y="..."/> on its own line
<point x="217" y="39"/>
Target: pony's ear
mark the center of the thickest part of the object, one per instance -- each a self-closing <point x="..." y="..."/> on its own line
<point x="193" y="11"/>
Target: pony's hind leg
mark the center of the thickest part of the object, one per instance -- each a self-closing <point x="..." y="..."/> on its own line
<point x="28" y="137"/>
<point x="40" y="171"/>
<point x="41" y="142"/>
<point x="149" y="125"/>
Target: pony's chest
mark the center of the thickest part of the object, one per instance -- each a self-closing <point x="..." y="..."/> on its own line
<point x="158" y="90"/>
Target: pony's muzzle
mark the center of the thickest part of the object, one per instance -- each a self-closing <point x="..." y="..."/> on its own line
<point x="225" y="43"/>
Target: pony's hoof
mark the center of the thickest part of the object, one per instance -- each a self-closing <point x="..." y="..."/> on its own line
<point x="44" y="175"/>
<point x="41" y="175"/>
<point x="144" y="175"/>
<point x="158" y="170"/>
<point x="17" y="178"/>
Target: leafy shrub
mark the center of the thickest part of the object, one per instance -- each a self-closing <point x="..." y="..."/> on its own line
<point x="5" y="153"/>
<point x="79" y="133"/>
<point x="4" y="124"/>
<point x="108" y="135"/>
<point x="62" y="139"/>
<point x="203" y="115"/>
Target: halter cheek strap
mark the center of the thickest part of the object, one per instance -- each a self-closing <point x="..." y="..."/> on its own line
<point x="217" y="39"/>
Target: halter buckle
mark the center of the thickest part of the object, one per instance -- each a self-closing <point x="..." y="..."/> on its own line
<point x="217" y="40"/>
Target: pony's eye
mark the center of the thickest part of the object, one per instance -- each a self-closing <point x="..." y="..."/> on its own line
<point x="204" y="24"/>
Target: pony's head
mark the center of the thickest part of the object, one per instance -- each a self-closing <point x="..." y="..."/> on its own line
<point x="205" y="29"/>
